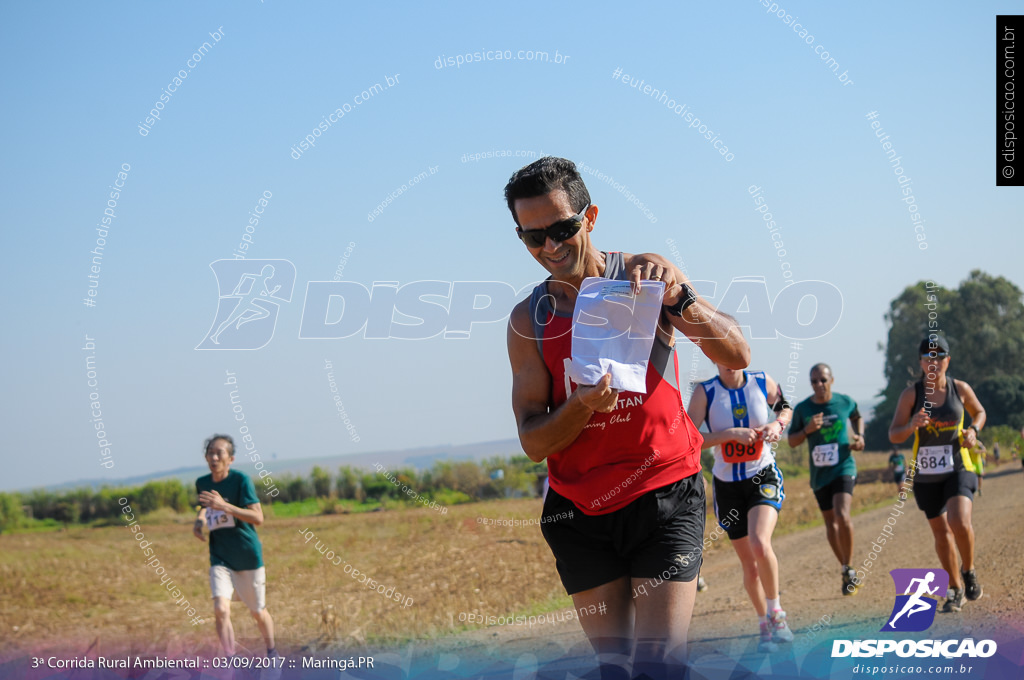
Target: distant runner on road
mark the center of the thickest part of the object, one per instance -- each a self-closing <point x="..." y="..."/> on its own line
<point x="820" y="420"/>
<point x="745" y="412"/>
<point x="898" y="466"/>
<point x="232" y="511"/>
<point x="933" y="410"/>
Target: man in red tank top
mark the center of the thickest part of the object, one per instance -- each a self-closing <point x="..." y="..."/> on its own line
<point x="627" y="463"/>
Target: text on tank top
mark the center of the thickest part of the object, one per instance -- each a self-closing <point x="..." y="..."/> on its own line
<point x="645" y="443"/>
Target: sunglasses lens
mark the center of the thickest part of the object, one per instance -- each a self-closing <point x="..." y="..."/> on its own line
<point x="565" y="230"/>
<point x="534" y="238"/>
<point x="560" y="231"/>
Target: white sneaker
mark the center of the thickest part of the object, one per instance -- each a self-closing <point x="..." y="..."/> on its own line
<point x="780" y="631"/>
<point x="765" y="644"/>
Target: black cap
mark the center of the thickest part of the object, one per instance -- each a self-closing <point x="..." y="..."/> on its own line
<point x="935" y="343"/>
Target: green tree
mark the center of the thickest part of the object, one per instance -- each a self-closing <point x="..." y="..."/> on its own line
<point x="11" y="515"/>
<point x="347" y="482"/>
<point x="298" y="489"/>
<point x="377" y="487"/>
<point x="983" y="321"/>
<point x="1003" y="399"/>
<point x="321" y="481"/>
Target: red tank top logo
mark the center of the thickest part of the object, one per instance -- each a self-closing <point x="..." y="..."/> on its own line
<point x="647" y="438"/>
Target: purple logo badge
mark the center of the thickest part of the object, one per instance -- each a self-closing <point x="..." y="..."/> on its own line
<point x="914" y="609"/>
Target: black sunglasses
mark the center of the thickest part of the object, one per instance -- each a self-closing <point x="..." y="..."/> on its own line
<point x="559" y="231"/>
<point x="938" y="355"/>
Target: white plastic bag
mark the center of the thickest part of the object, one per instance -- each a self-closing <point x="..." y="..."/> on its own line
<point x="613" y="332"/>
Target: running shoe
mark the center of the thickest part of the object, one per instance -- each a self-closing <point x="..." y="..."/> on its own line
<point x="765" y="644"/>
<point x="849" y="581"/>
<point x="701" y="585"/>
<point x="972" y="589"/>
<point x="954" y="600"/>
<point x="780" y="631"/>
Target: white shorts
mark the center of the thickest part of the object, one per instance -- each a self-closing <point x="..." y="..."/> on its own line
<point x="248" y="586"/>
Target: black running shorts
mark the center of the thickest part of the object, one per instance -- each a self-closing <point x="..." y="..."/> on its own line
<point x="931" y="497"/>
<point x="824" y="495"/>
<point x="660" y="534"/>
<point x="733" y="500"/>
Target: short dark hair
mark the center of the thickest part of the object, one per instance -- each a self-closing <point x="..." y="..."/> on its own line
<point x="544" y="176"/>
<point x="225" y="437"/>
<point x="821" y="367"/>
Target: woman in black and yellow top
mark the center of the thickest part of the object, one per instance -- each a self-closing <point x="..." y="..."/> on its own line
<point x="932" y="409"/>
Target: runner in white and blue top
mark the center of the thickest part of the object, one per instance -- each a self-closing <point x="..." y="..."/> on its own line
<point x="745" y="413"/>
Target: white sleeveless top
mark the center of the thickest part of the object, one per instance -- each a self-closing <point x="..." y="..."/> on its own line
<point x="746" y="406"/>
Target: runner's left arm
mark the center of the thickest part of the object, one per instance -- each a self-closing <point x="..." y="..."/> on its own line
<point x="772" y="432"/>
<point x="197" y="526"/>
<point x="973" y="407"/>
<point x="858" y="430"/>
<point x="715" y="332"/>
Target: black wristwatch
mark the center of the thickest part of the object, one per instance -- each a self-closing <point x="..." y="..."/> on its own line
<point x="688" y="298"/>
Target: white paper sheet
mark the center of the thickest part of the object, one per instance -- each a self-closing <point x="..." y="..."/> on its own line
<point x="613" y="332"/>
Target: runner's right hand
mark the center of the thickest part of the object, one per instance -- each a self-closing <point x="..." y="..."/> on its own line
<point x="920" y="419"/>
<point x="600" y="397"/>
<point x="197" y="530"/>
<point x="815" y="423"/>
<point x="744" y="435"/>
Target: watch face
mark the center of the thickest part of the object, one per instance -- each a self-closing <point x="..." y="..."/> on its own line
<point x="691" y="297"/>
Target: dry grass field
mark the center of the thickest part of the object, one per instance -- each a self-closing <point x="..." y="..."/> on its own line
<point x="68" y="591"/>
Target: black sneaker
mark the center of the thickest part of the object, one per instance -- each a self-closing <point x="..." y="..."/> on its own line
<point x="972" y="589"/>
<point x="954" y="600"/>
<point x="849" y="581"/>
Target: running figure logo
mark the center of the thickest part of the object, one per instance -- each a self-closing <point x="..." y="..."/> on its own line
<point x="247" y="315"/>
<point x="914" y="610"/>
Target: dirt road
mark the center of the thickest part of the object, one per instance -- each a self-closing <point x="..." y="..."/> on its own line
<point x="723" y="633"/>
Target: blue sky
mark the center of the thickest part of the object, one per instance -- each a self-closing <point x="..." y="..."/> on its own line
<point x="80" y="80"/>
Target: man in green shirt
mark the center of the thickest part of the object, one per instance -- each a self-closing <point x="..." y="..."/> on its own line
<point x="821" y="421"/>
<point x="898" y="465"/>
<point x="231" y="511"/>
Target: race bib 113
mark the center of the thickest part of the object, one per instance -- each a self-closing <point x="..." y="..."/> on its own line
<point x="218" y="519"/>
